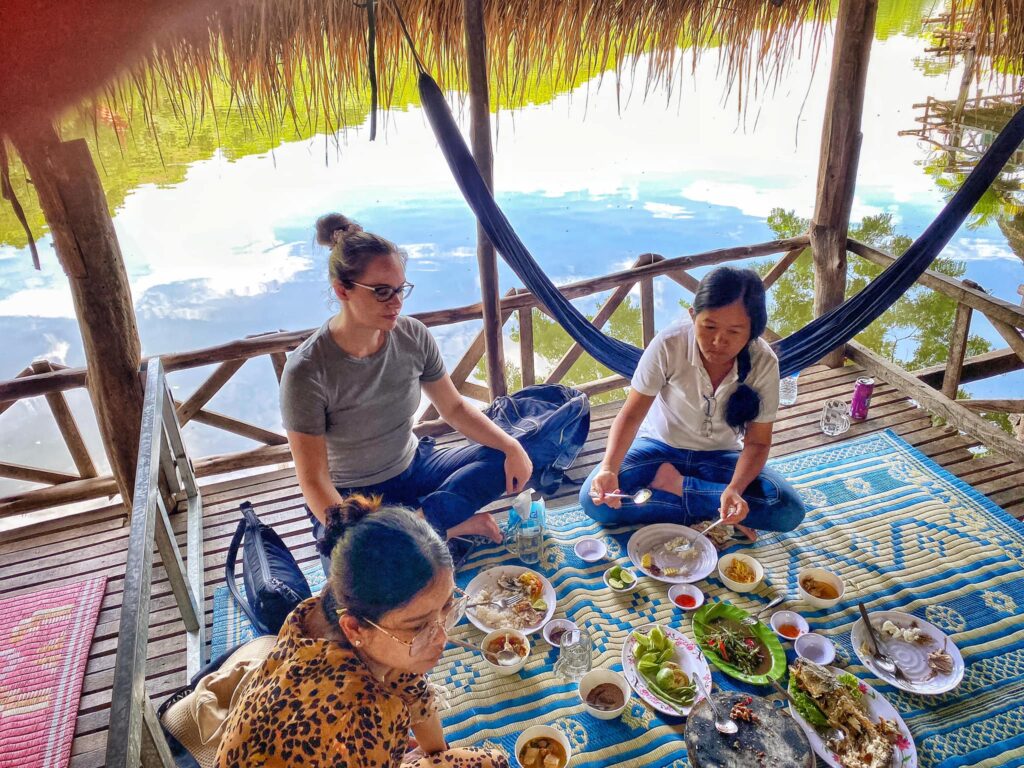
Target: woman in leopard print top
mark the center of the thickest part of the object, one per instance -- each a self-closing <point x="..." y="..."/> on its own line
<point x="347" y="677"/>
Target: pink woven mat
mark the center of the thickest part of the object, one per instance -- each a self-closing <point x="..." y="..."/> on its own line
<point x="44" y="646"/>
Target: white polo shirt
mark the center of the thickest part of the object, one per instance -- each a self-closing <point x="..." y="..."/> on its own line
<point x="671" y="371"/>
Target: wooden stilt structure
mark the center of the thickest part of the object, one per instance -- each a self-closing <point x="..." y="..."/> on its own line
<point x="480" y="136"/>
<point x="840" y="151"/>
<point x="75" y="207"/>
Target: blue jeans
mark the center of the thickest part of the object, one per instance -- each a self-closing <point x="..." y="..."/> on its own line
<point x="450" y="484"/>
<point x="774" y="503"/>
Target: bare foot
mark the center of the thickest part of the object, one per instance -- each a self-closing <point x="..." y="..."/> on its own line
<point x="750" y="533"/>
<point x="667" y="478"/>
<point x="480" y="524"/>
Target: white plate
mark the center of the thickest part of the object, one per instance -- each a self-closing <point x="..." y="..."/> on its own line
<point x="688" y="657"/>
<point x="651" y="537"/>
<point x="877" y="706"/>
<point x="489" y="580"/>
<point x="911" y="657"/>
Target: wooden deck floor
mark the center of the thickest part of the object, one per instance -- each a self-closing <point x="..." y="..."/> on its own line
<point x="94" y="543"/>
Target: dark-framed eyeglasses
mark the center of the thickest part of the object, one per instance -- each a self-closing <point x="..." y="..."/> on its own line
<point x="709" y="411"/>
<point x="426" y="635"/>
<point x="386" y="292"/>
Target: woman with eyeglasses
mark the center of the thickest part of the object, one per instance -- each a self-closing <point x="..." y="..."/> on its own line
<point x="703" y="401"/>
<point x="347" y="678"/>
<point x="350" y="391"/>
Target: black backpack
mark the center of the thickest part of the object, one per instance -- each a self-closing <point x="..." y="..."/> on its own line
<point x="274" y="583"/>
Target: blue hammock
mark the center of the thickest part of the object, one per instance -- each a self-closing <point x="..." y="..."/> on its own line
<point x="797" y="351"/>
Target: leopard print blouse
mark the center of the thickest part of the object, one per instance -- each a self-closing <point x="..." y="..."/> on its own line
<point x="315" y="703"/>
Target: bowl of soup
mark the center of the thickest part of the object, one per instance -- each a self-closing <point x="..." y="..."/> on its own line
<point x="542" y="746"/>
<point x="819" y="587"/>
<point x="604" y="693"/>
<point x="506" y="639"/>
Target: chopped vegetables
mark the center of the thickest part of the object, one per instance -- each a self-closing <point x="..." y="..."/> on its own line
<point x="735" y="645"/>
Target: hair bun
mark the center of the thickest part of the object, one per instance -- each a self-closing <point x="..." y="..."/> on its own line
<point x="343" y="516"/>
<point x="332" y="228"/>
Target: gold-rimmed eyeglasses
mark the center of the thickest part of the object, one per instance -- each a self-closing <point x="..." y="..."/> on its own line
<point x="426" y="635"/>
<point x="709" y="411"/>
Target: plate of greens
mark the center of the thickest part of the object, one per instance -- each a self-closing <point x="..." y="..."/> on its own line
<point x="752" y="655"/>
<point x="659" y="664"/>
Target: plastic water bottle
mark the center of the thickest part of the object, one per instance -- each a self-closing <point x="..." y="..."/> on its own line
<point x="787" y="390"/>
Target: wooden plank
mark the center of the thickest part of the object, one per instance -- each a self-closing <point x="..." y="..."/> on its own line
<point x="238" y="427"/>
<point x="67" y="425"/>
<point x="208" y="389"/>
<point x="975" y="368"/>
<point x="647" y="310"/>
<point x="526" y="360"/>
<point x="954" y="413"/>
<point x="34" y="474"/>
<point x="1011" y="335"/>
<point x="957" y="350"/>
<point x="840" y="152"/>
<point x="781" y="266"/>
<point x="993" y="406"/>
<point x="278" y="360"/>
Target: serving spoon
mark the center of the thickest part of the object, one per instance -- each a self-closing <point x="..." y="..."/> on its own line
<point x="506" y="657"/>
<point x="724" y="725"/>
<point x="882" y="660"/>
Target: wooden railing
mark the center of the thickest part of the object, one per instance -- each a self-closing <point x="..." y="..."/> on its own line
<point x="135" y="737"/>
<point x="52" y="382"/>
<point x="63" y="488"/>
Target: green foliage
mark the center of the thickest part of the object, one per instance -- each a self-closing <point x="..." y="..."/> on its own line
<point x="921" y="316"/>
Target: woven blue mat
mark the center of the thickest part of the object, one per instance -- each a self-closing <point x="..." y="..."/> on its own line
<point x="904" y="533"/>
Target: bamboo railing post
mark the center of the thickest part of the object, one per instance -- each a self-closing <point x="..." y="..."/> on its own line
<point x="840" y="150"/>
<point x="72" y="199"/>
<point x="526" y="361"/>
<point x="480" y="136"/>
<point x="957" y="351"/>
<point x="647" y="301"/>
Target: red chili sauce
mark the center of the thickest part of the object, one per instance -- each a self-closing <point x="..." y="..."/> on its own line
<point x="685" y="601"/>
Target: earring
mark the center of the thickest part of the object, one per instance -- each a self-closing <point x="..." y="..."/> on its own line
<point x="357" y="643"/>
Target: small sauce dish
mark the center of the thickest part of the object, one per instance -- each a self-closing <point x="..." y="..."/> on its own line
<point x="816" y="648"/>
<point x="686" y="596"/>
<point x="554" y="630"/>
<point x="789" y="625"/>
<point x="590" y="549"/>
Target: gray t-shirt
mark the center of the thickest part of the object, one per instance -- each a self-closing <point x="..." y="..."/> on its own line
<point x="364" y="406"/>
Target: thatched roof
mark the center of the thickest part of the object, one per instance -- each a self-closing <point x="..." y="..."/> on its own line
<point x="274" y="53"/>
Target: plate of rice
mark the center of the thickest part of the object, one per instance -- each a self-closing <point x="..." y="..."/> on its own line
<point x="528" y="615"/>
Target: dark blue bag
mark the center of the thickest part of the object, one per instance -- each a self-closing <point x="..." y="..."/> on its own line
<point x="274" y="583"/>
<point x="551" y="422"/>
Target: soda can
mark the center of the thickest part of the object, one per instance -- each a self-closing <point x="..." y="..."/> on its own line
<point x="861" y="400"/>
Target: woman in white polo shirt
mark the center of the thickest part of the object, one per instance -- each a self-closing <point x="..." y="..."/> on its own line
<point x="703" y="402"/>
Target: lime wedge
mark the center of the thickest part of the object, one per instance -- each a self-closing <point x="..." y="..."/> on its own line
<point x="539" y="605"/>
<point x="615" y="583"/>
<point x="626" y="577"/>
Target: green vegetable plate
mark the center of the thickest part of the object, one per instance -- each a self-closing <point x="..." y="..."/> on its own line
<point x="713" y="613"/>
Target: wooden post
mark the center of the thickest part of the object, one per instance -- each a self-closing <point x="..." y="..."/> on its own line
<point x="526" y="361"/>
<point x="840" y="151"/>
<point x="480" y="135"/>
<point x="957" y="350"/>
<point x="75" y="207"/>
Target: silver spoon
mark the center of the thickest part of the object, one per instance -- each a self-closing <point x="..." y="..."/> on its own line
<point x="832" y="735"/>
<point x="682" y="548"/>
<point x="506" y="657"/>
<point x="749" y="621"/>
<point x="724" y="725"/>
<point x="640" y="497"/>
<point x="882" y="660"/>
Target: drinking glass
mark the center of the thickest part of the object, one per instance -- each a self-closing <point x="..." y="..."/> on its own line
<point x="527" y="541"/>
<point x="835" y="417"/>
<point x="575" y="655"/>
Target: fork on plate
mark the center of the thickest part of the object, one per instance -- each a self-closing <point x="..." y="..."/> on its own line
<point x="502" y="602"/>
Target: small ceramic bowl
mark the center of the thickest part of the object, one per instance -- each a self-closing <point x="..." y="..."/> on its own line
<point x="542" y="732"/>
<point x="740" y="586"/>
<point x="509" y="669"/>
<point x="677" y="591"/>
<point x="596" y="677"/>
<point x="820" y="574"/>
<point x="793" y="619"/>
<point x="556" y="627"/>
<point x="627" y="587"/>
<point x="590" y="550"/>
<point x="816" y="648"/>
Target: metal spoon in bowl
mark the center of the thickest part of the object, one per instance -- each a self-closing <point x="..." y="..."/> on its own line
<point x="683" y="548"/>
<point x="640" y="497"/>
<point x="832" y="735"/>
<point x="506" y="657"/>
<point x="882" y="660"/>
<point x="724" y="725"/>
